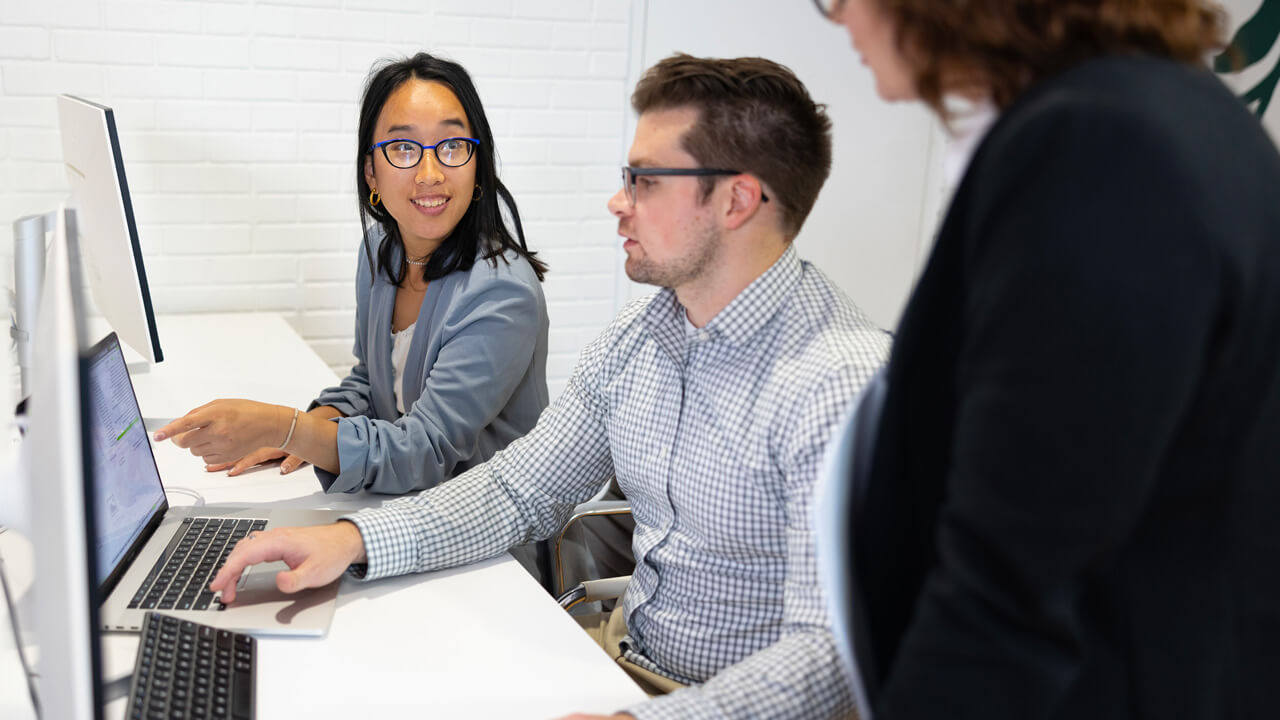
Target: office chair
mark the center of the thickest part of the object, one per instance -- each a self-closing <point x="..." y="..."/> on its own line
<point x="576" y="556"/>
<point x="594" y="591"/>
<point x="595" y="541"/>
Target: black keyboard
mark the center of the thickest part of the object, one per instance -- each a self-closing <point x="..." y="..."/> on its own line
<point x="180" y="578"/>
<point x="190" y="670"/>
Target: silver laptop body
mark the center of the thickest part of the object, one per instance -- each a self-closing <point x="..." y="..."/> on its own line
<point x="135" y="529"/>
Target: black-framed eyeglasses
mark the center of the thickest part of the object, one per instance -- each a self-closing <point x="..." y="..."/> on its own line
<point x="830" y="9"/>
<point x="629" y="175"/>
<point x="450" y="152"/>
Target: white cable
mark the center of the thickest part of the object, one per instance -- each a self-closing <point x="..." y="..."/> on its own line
<point x="186" y="491"/>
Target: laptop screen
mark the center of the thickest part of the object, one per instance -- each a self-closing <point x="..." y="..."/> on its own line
<point x="127" y="490"/>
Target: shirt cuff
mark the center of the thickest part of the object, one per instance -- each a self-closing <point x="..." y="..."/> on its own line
<point x="352" y="453"/>
<point x="684" y="704"/>
<point x="390" y="543"/>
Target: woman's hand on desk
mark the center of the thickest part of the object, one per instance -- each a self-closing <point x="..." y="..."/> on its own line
<point x="233" y="433"/>
<point x="267" y="454"/>
<point x="316" y="556"/>
<point x="225" y="431"/>
<point x="259" y="457"/>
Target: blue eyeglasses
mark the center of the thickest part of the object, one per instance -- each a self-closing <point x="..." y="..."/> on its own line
<point x="450" y="152"/>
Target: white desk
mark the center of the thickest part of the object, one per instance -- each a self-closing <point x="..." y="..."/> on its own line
<point x="479" y="641"/>
<point x="256" y="356"/>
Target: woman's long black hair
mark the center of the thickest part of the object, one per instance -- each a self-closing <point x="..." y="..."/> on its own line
<point x="483" y="221"/>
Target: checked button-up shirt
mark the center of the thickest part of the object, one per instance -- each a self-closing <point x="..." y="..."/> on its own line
<point x="716" y="436"/>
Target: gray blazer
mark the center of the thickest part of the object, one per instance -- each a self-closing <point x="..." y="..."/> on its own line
<point x="475" y="378"/>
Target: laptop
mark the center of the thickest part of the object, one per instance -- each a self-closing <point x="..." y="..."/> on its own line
<point x="148" y="554"/>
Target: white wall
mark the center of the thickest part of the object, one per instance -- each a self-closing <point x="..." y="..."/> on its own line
<point x="237" y="123"/>
<point x="238" y="118"/>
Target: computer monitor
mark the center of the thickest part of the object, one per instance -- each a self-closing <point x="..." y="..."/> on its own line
<point x="109" y="233"/>
<point x="13" y="494"/>
<point x="54" y="466"/>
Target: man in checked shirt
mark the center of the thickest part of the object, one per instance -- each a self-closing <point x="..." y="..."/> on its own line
<point x="711" y="402"/>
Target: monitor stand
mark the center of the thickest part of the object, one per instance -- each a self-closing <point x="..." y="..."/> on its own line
<point x="30" y="235"/>
<point x="29" y="243"/>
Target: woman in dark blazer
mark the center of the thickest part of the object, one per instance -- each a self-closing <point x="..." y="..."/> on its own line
<point x="1072" y="506"/>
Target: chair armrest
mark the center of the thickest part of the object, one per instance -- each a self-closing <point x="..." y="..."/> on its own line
<point x="593" y="590"/>
<point x="594" y="508"/>
<point x="599" y="507"/>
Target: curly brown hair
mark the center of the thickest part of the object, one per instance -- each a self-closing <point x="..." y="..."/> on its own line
<point x="754" y="116"/>
<point x="1006" y="46"/>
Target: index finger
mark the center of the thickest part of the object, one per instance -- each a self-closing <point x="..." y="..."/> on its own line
<point x="264" y="546"/>
<point x="191" y="421"/>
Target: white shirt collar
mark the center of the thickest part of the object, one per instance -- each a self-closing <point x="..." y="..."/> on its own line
<point x="970" y="121"/>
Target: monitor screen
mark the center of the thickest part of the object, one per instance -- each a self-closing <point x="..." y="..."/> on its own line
<point x="108" y="231"/>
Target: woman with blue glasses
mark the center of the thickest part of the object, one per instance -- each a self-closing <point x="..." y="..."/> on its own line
<point x="451" y="324"/>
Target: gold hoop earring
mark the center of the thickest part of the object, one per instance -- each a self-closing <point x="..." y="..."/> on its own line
<point x="479" y="193"/>
<point x="374" y="198"/>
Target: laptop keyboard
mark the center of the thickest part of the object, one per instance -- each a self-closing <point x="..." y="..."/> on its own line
<point x="190" y="670"/>
<point x="180" y="578"/>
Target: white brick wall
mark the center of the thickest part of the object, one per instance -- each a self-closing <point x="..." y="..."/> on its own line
<point x="237" y="120"/>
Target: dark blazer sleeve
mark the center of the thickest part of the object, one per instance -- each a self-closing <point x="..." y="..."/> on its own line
<point x="1089" y="300"/>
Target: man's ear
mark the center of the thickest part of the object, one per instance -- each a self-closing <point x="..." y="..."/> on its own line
<point x="746" y="195"/>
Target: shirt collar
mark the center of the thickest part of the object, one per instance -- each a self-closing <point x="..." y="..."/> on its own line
<point x="970" y="122"/>
<point x="742" y="317"/>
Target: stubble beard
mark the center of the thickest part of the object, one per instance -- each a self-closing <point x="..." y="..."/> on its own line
<point x="682" y="270"/>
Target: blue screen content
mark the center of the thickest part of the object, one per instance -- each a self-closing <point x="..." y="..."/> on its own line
<point x="127" y="488"/>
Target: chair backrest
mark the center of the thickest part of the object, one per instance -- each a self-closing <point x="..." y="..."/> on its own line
<point x="594" y="543"/>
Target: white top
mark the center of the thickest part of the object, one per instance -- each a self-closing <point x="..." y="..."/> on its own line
<point x="693" y="334"/>
<point x="400" y="342"/>
<point x="833" y="499"/>
<point x="970" y="122"/>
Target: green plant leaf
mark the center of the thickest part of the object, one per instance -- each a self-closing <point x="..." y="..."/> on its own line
<point x="1263" y="91"/>
<point x="1252" y="41"/>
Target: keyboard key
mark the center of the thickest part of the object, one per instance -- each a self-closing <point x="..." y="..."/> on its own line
<point x="242" y="699"/>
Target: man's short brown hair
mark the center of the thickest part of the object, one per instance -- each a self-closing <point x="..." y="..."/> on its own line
<point x="754" y="116"/>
